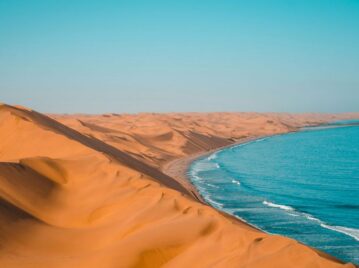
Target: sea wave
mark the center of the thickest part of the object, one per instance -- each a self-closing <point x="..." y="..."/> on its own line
<point x="262" y="139"/>
<point x="204" y="166"/>
<point x="212" y="156"/>
<point x="212" y="185"/>
<point x="194" y="177"/>
<point x="215" y="204"/>
<point x="352" y="232"/>
<point x="274" y="205"/>
<point x="310" y="217"/>
<point x="249" y="142"/>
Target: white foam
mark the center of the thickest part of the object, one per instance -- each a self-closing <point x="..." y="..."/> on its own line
<point x="263" y="139"/>
<point x="212" y="156"/>
<point x="240" y="145"/>
<point x="196" y="178"/>
<point x="273" y="205"/>
<point x="236" y="182"/>
<point x="310" y="217"/>
<point x="212" y="202"/>
<point x="352" y="232"/>
<point x="204" y="166"/>
<point x="251" y="141"/>
<point x="212" y="185"/>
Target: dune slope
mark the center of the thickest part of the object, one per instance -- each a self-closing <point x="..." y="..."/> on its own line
<point x="69" y="199"/>
<point x="157" y="139"/>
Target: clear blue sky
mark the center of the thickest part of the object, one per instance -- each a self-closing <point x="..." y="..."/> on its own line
<point x="197" y="55"/>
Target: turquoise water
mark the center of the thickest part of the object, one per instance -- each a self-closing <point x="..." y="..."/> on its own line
<point x="303" y="185"/>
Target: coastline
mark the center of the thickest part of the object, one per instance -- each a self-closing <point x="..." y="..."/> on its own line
<point x="178" y="168"/>
<point x="98" y="179"/>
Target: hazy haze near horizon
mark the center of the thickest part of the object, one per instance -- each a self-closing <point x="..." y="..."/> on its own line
<point x="160" y="56"/>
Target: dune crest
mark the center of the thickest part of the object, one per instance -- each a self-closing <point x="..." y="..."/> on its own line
<point x="95" y="197"/>
<point x="157" y="139"/>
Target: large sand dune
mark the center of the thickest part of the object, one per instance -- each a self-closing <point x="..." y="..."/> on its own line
<point x="87" y="191"/>
<point x="159" y="138"/>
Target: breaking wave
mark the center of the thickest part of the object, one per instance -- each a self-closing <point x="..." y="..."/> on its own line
<point x="274" y="205"/>
<point x="352" y="232"/>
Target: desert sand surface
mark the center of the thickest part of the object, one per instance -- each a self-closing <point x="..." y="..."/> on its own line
<point x="156" y="139"/>
<point x="88" y="191"/>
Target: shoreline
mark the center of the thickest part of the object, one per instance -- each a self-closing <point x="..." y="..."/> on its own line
<point x="178" y="168"/>
<point x="112" y="196"/>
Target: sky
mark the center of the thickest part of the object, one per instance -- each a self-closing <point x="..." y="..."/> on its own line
<point x="132" y="56"/>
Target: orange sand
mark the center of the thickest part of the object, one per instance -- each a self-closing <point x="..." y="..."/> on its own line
<point x="91" y="193"/>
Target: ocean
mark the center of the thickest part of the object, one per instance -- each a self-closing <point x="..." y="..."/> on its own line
<point x="303" y="185"/>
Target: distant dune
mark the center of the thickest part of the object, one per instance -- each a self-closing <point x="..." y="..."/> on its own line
<point x="88" y="191"/>
<point x="159" y="138"/>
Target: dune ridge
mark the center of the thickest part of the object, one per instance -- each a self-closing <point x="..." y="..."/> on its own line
<point x="87" y="191"/>
<point x="156" y="139"/>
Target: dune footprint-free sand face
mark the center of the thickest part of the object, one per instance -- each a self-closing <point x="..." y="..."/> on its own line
<point x="71" y="200"/>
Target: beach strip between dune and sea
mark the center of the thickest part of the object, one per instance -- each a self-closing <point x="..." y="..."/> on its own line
<point x="178" y="168"/>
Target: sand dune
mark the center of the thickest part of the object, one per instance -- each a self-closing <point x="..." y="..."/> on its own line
<point x="87" y="191"/>
<point x="159" y="138"/>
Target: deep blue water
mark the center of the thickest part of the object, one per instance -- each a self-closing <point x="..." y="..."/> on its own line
<point x="303" y="185"/>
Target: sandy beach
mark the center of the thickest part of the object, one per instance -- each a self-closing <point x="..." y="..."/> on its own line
<point x="178" y="168"/>
<point x="89" y="191"/>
